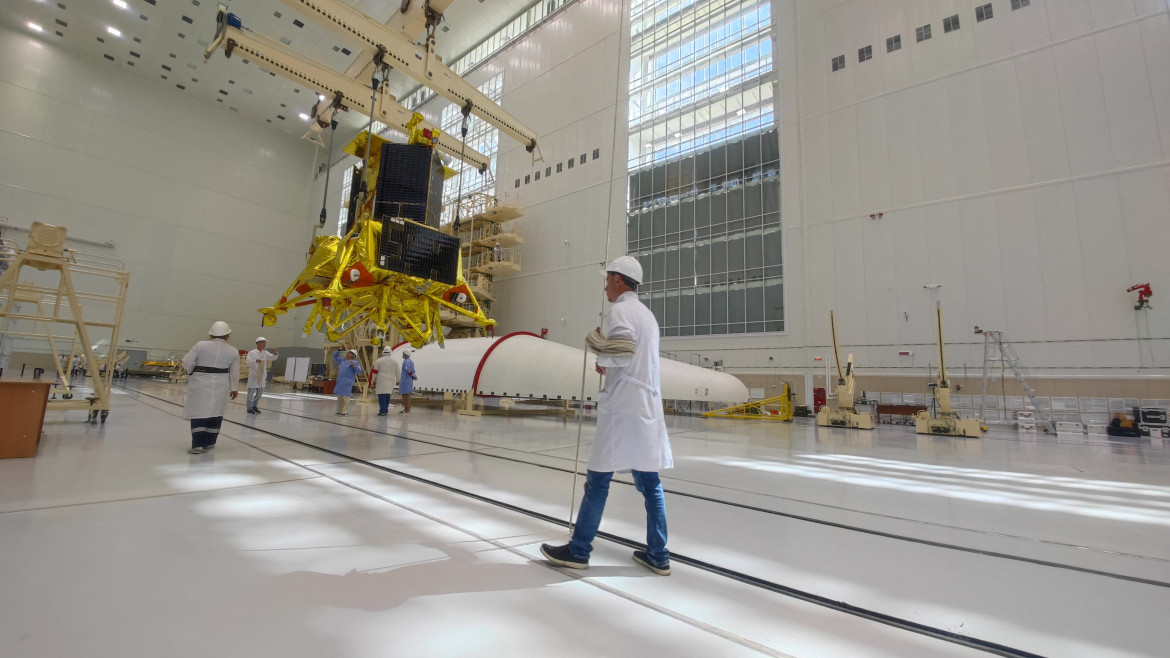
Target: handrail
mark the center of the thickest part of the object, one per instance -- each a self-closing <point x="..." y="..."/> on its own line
<point x="87" y="259"/>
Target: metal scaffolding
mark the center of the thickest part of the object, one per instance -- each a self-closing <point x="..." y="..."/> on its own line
<point x="70" y="298"/>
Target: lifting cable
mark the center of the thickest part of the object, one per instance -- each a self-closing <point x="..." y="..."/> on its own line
<point x="463" y="166"/>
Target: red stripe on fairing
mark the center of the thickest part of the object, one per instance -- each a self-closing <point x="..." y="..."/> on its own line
<point x="483" y="359"/>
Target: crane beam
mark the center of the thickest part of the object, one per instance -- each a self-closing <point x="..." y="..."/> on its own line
<point x="420" y="63"/>
<point x="327" y="82"/>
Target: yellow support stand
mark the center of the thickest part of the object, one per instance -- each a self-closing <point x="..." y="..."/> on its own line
<point x="757" y="410"/>
<point x="948" y="422"/>
<point x="97" y="281"/>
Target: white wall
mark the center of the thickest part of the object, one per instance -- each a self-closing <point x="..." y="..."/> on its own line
<point x="209" y="211"/>
<point x="1020" y="162"/>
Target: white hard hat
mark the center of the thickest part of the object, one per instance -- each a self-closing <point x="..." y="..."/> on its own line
<point x="628" y="266"/>
<point x="219" y="328"/>
<point x="387" y="350"/>
<point x="353" y="352"/>
<point x="407" y="352"/>
<point x="261" y="339"/>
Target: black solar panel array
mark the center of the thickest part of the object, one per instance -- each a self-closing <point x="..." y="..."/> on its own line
<point x="419" y="251"/>
<point x="410" y="184"/>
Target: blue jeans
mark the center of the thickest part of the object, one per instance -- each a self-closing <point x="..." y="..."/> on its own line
<point x="383" y="403"/>
<point x="593" y="504"/>
<point x="254" y="397"/>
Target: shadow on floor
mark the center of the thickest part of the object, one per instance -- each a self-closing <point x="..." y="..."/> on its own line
<point x="461" y="571"/>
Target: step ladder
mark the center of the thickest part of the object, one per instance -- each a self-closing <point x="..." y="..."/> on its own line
<point x="997" y="350"/>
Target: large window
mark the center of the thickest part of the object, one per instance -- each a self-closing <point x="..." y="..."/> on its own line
<point x="481" y="136"/>
<point x="536" y="14"/>
<point x="343" y="214"/>
<point x="699" y="75"/>
<point x="704" y="192"/>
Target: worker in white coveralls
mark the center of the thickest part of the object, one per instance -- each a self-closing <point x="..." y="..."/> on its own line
<point x="385" y="374"/>
<point x="631" y="430"/>
<point x="214" y="369"/>
<point x="258" y="360"/>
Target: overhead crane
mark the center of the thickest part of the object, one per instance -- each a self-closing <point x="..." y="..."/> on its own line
<point x="370" y="275"/>
<point x="341" y="92"/>
<point x="420" y="63"/>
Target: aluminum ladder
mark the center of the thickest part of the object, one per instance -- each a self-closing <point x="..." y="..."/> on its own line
<point x="996" y="348"/>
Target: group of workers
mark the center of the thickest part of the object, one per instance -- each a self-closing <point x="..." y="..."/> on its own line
<point x="75" y="366"/>
<point x="208" y="391"/>
<point x="631" y="429"/>
<point x="385" y="369"/>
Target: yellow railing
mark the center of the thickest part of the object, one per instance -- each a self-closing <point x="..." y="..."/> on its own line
<point x="777" y="408"/>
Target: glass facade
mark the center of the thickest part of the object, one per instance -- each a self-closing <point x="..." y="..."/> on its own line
<point x="704" y="191"/>
<point x="343" y="214"/>
<point x="699" y="75"/>
<point x="481" y="136"/>
<point x="529" y="19"/>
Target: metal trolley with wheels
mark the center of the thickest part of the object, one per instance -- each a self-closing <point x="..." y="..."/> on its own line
<point x="67" y="297"/>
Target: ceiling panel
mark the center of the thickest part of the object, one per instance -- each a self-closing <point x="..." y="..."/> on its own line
<point x="163" y="41"/>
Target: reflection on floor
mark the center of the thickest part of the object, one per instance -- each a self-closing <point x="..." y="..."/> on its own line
<point x="286" y="541"/>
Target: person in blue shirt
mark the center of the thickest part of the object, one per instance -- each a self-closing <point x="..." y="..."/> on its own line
<point x="348" y="370"/>
<point x="406" y="381"/>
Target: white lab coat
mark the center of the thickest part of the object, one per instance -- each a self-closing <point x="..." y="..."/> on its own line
<point x="258" y="361"/>
<point x="387" y="367"/>
<point x="631" y="429"/>
<point x="207" y="392"/>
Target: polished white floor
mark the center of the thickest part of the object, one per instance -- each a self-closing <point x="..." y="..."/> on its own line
<point x="118" y="543"/>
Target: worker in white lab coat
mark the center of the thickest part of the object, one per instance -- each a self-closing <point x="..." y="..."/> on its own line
<point x="631" y="430"/>
<point x="258" y="360"/>
<point x="214" y="369"/>
<point x="385" y="373"/>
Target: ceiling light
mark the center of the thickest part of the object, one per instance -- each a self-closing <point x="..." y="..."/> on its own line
<point x="35" y="28"/>
<point x="304" y="116"/>
<point x="114" y="31"/>
<point x="120" y="4"/>
<point x="320" y="97"/>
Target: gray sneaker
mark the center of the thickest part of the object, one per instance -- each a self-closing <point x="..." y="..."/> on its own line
<point x="194" y="451"/>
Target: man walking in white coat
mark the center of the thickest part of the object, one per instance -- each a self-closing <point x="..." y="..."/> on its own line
<point x="214" y="369"/>
<point x="258" y="360"/>
<point x="631" y="430"/>
<point x="385" y="371"/>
